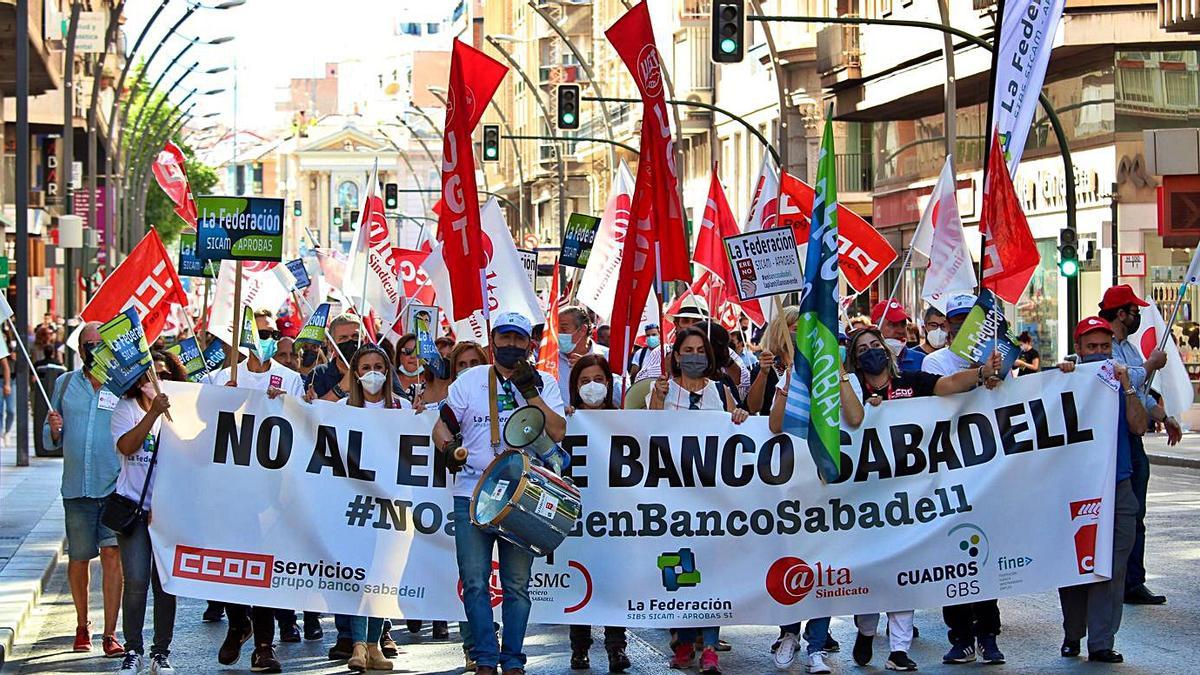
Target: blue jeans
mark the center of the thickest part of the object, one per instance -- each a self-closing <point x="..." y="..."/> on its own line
<point x="709" y="635"/>
<point x="363" y="629"/>
<point x="139" y="573"/>
<point x="345" y="626"/>
<point x="86" y="535"/>
<point x="474" y="550"/>
<point x="816" y="633"/>
<point x="9" y="411"/>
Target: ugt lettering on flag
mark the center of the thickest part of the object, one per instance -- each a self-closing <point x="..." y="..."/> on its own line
<point x="814" y="409"/>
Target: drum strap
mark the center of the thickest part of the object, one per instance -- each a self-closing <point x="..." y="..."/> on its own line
<point x="493" y="417"/>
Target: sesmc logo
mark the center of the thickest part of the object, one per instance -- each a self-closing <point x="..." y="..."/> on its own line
<point x="548" y="581"/>
<point x="223" y="567"/>
<point x="1087" y="512"/>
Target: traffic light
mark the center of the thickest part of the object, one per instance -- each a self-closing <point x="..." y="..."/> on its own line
<point x="337" y="216"/>
<point x="1068" y="252"/>
<point x="568" y="106"/>
<point x="297" y="210"/>
<point x="391" y="196"/>
<point x="491" y="142"/>
<point x="728" y="31"/>
<point x="353" y="218"/>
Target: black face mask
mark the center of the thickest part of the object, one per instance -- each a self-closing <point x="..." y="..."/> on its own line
<point x="507" y="357"/>
<point x="308" y="357"/>
<point x="86" y="351"/>
<point x="1132" y="328"/>
<point x="347" y="349"/>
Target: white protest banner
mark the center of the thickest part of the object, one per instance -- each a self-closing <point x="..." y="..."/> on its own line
<point x="765" y="262"/>
<point x="941" y="500"/>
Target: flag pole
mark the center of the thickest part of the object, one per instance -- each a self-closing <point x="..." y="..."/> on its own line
<point x="1162" y="343"/>
<point x="236" y="339"/>
<point x="20" y="340"/>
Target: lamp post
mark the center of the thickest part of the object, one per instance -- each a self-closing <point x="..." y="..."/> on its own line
<point x="21" y="31"/>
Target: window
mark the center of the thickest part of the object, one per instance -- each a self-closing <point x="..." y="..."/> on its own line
<point x="347" y="197"/>
<point x="432" y="28"/>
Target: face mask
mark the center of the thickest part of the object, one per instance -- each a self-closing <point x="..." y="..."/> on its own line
<point x="593" y="393"/>
<point x="693" y="365"/>
<point x="1132" y="328"/>
<point x="841" y="353"/>
<point x="936" y="338"/>
<point x="347" y="349"/>
<point x="411" y="373"/>
<point x="148" y="390"/>
<point x="507" y="357"/>
<point x="895" y="345"/>
<point x="88" y="356"/>
<point x="873" y="361"/>
<point x="372" y="382"/>
<point x="653" y="342"/>
<point x="1093" y="358"/>
<point x="266" y="349"/>
<point x="440" y="367"/>
<point x="565" y="344"/>
<point x="307" y="358"/>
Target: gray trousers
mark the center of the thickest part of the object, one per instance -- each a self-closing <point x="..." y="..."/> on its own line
<point x="137" y="566"/>
<point x="1095" y="609"/>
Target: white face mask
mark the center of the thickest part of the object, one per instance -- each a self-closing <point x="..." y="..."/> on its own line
<point x="372" y="382"/>
<point x="895" y="345"/>
<point x="936" y="338"/>
<point x="593" y="393"/>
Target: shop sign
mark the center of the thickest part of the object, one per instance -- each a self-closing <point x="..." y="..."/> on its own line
<point x="1133" y="264"/>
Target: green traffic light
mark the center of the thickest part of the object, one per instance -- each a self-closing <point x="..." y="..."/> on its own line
<point x="568" y="118"/>
<point x="1069" y="267"/>
<point x="491" y="152"/>
<point x="729" y="45"/>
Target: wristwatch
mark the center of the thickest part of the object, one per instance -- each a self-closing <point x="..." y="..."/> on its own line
<point x="845" y="377"/>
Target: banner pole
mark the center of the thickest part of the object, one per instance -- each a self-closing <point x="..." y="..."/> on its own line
<point x="1162" y="343"/>
<point x="28" y="361"/>
<point x="236" y="339"/>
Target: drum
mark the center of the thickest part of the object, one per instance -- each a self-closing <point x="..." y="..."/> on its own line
<point x="525" y="504"/>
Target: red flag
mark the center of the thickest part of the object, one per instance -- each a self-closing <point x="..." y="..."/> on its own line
<point x="656" y="237"/>
<point x="718" y="223"/>
<point x="1010" y="254"/>
<point x="474" y="78"/>
<point x="863" y="253"/>
<point x="417" y="286"/>
<point x="548" y="351"/>
<point x="145" y="280"/>
<point x="171" y="175"/>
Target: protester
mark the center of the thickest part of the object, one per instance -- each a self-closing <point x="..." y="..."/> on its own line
<point x="935" y="331"/>
<point x="135" y="426"/>
<point x="1029" y="361"/>
<point x="591" y="388"/>
<point x="737" y="342"/>
<point x="435" y="386"/>
<point x="343" y="336"/>
<point x="943" y="361"/>
<point x="1095" y="609"/>
<point x="1121" y="307"/>
<point x="473" y="416"/>
<point x="81" y="428"/>
<point x="308" y="357"/>
<point x="689" y="387"/>
<point x="444" y="345"/>
<point x="465" y="356"/>
<point x="408" y="367"/>
<point x="892" y="320"/>
<point x="574" y="342"/>
<point x="285" y="353"/>
<point x="775" y="357"/>
<point x="651" y="340"/>
<point x="691" y="312"/>
<point x="603" y="331"/>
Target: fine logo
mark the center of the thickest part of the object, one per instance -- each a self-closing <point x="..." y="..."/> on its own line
<point x="678" y="569"/>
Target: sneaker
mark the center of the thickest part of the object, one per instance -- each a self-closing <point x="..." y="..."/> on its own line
<point x="231" y="648"/>
<point x="862" y="649"/>
<point x="441" y="630"/>
<point x="989" y="651"/>
<point x="131" y="664"/>
<point x="214" y="612"/>
<point x="618" y="660"/>
<point x="960" y="653"/>
<point x="900" y="661"/>
<point x="709" y="664"/>
<point x="785" y="651"/>
<point x="389" y="647"/>
<point x="289" y="632"/>
<point x="816" y="663"/>
<point x="83" y="638"/>
<point x="723" y="646"/>
<point x="341" y="650"/>
<point x="112" y="648"/>
<point x="159" y="665"/>
<point x="263" y="660"/>
<point x="685" y="655"/>
<point x="580" y="659"/>
<point x="312" y="627"/>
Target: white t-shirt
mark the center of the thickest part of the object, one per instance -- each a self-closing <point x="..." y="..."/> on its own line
<point x="679" y="398"/>
<point x="127" y="415"/>
<point x="402" y="405"/>
<point x="944" y="362"/>
<point x="468" y="400"/>
<point x="276" y="377"/>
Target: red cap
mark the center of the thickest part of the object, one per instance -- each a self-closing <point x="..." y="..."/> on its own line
<point x="1120" y="296"/>
<point x="287" y="326"/>
<point x="895" y="311"/>
<point x="1090" y="324"/>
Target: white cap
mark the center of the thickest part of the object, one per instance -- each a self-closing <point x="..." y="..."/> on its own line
<point x="692" y="307"/>
<point x="960" y="305"/>
<point x="512" y="322"/>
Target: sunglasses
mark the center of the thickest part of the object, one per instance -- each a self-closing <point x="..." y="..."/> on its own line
<point x="266" y="334"/>
<point x="408" y="351"/>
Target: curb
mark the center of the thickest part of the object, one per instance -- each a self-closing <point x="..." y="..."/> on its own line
<point x="25" y="576"/>
<point x="1174" y="460"/>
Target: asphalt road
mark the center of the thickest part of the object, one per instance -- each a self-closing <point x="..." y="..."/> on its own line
<point x="1154" y="639"/>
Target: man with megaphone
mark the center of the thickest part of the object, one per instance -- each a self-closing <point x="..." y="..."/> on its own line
<point x="478" y="406"/>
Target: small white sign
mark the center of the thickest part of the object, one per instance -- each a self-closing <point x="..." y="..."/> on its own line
<point x="1133" y="264"/>
<point x="765" y="263"/>
<point x="529" y="261"/>
<point x="501" y="488"/>
<point x="44" y="292"/>
<point x="89" y="32"/>
<point x="547" y="505"/>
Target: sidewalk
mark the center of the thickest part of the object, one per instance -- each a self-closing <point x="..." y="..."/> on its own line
<point x="1186" y="454"/>
<point x="31" y="537"/>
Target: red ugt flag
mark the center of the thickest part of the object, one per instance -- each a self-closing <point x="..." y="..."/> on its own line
<point x="656" y="236"/>
<point x="172" y="177"/>
<point x="1010" y="254"/>
<point x="145" y="280"/>
<point x="474" y="78"/>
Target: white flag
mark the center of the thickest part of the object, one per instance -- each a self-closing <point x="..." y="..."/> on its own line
<point x="598" y="287"/>
<point x="940" y="236"/>
<point x="508" y="288"/>
<point x="261" y="289"/>
<point x="1172" y="381"/>
<point x="6" y="310"/>
<point x="1027" y="32"/>
<point x="1193" y="271"/>
<point x="370" y="282"/>
<point x="764" y="206"/>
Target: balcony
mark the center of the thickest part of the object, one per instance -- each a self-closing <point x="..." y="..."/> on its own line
<point x="561" y="74"/>
<point x="694" y="70"/>
<point x="1179" y="16"/>
<point x="854" y="173"/>
<point x="838" y="55"/>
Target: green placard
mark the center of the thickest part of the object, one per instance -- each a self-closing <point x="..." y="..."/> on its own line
<point x="3" y="272"/>
<point x="239" y="228"/>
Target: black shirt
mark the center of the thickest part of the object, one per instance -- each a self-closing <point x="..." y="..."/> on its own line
<point x="910" y="384"/>
<point x="1028" y="357"/>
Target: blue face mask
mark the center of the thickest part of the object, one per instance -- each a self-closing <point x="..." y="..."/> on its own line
<point x="266" y="349"/>
<point x="1094" y="358"/>
<point x="565" y="344"/>
<point x="652" y="342"/>
<point x="842" y="353"/>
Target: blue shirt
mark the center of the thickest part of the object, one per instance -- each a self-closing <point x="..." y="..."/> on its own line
<point x="1124" y="445"/>
<point x="90" y="461"/>
<point x="1128" y="355"/>
<point x="910" y="360"/>
<point x="324" y="378"/>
